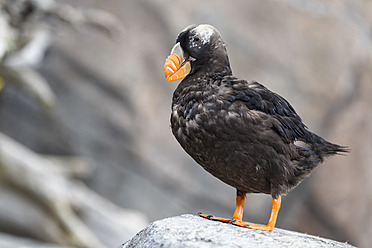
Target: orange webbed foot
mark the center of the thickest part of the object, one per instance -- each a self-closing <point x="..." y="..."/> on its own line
<point x="267" y="227"/>
<point x="238" y="215"/>
<point x="238" y="222"/>
<point x="211" y="217"/>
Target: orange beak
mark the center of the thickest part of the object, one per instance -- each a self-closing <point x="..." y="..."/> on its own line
<point x="176" y="67"/>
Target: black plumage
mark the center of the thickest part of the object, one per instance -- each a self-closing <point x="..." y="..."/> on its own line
<point x="239" y="131"/>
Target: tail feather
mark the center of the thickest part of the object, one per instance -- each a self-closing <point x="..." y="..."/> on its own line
<point x="324" y="148"/>
<point x="333" y="149"/>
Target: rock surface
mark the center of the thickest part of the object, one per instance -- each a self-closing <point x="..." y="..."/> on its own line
<point x="193" y="231"/>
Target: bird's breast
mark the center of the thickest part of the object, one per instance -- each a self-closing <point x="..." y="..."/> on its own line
<point x="192" y="112"/>
<point x="186" y="118"/>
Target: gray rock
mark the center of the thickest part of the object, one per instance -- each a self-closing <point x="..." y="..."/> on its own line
<point x="193" y="231"/>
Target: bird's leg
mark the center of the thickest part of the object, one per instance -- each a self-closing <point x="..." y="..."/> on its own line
<point x="270" y="224"/>
<point x="239" y="209"/>
<point x="238" y="214"/>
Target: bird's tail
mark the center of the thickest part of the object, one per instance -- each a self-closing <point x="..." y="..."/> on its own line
<point x="324" y="148"/>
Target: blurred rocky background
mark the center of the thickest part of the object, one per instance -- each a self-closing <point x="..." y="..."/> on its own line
<point x="86" y="151"/>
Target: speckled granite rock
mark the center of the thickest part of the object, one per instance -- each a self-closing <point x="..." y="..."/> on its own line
<point x="193" y="231"/>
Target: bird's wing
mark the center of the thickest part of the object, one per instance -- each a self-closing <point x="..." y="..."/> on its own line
<point x="257" y="97"/>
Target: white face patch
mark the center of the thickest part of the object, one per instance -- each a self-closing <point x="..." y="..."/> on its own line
<point x="202" y="35"/>
<point x="193" y="43"/>
<point x="204" y="31"/>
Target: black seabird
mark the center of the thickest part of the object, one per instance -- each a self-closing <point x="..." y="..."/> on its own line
<point x="239" y="131"/>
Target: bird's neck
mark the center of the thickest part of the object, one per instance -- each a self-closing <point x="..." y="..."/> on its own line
<point x="214" y="67"/>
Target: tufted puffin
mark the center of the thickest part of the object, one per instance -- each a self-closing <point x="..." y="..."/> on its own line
<point x="239" y="131"/>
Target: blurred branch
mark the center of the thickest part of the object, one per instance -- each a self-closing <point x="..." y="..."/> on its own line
<point x="32" y="82"/>
<point x="23" y="170"/>
<point x="77" y="214"/>
<point x="70" y="166"/>
<point x="98" y="19"/>
<point x="24" y="37"/>
<point x="53" y="206"/>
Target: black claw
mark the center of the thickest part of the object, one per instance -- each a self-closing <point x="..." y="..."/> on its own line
<point x="247" y="225"/>
<point x="199" y="213"/>
<point x="232" y="221"/>
<point x="209" y="216"/>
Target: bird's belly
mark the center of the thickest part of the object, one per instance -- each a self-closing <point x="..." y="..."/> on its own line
<point x="246" y="170"/>
<point x="237" y="162"/>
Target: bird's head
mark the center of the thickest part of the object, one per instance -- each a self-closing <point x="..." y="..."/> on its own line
<point x="197" y="48"/>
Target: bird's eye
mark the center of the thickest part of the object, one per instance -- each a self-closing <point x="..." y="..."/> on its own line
<point x="196" y="39"/>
